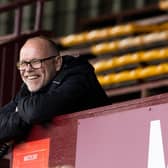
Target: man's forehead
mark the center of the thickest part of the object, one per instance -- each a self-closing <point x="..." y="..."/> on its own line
<point x="31" y="52"/>
<point x="37" y="43"/>
<point x="28" y="50"/>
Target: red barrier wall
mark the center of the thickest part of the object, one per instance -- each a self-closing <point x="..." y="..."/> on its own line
<point x="63" y="131"/>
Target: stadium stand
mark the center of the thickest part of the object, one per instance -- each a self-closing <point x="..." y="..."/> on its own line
<point x="116" y="45"/>
<point x="130" y="60"/>
<point x="126" y="55"/>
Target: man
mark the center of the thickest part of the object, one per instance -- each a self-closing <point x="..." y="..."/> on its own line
<point x="52" y="85"/>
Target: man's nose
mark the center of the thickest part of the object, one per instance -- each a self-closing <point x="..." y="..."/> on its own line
<point x="28" y="67"/>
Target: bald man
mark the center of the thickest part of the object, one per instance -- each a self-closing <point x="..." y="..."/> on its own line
<point x="52" y="85"/>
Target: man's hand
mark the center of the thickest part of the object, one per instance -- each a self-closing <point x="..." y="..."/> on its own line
<point x="4" y="148"/>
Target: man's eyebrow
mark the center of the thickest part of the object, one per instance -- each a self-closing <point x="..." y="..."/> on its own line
<point x="30" y="60"/>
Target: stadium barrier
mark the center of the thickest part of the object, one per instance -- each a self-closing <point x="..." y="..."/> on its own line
<point x="114" y="135"/>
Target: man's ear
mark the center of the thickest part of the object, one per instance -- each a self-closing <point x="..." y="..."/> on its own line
<point x="58" y="63"/>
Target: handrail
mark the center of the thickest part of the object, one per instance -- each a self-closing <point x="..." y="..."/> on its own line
<point x="18" y="6"/>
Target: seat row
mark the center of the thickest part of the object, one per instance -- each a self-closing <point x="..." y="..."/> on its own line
<point x="136" y="74"/>
<point x="110" y="32"/>
<point x="141" y="40"/>
<point x="131" y="58"/>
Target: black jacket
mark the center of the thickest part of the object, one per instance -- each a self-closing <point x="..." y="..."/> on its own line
<point x="73" y="89"/>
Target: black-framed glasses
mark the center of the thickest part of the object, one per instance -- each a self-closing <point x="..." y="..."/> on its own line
<point x="35" y="63"/>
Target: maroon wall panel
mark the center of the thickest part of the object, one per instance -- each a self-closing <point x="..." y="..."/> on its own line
<point x="63" y="131"/>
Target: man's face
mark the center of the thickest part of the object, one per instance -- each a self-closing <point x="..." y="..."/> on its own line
<point x="36" y="78"/>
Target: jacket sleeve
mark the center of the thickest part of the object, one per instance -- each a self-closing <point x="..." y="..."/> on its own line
<point x="58" y="100"/>
<point x="11" y="124"/>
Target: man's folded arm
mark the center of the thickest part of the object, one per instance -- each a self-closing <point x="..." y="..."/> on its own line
<point x="41" y="108"/>
<point x="12" y="126"/>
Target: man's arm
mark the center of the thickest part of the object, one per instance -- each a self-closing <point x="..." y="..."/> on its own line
<point x="11" y="128"/>
<point x="41" y="108"/>
<point x="11" y="124"/>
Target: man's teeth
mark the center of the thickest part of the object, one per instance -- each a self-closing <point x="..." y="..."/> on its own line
<point x="32" y="77"/>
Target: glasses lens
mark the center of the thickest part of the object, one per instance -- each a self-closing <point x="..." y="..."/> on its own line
<point x="21" y="66"/>
<point x="35" y="64"/>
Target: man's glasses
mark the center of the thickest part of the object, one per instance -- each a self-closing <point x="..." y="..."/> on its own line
<point x="35" y="64"/>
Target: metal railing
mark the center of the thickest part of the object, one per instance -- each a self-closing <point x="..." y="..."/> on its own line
<point x="17" y="7"/>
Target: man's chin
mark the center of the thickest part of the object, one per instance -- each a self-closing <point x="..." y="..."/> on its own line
<point x="33" y="89"/>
